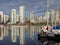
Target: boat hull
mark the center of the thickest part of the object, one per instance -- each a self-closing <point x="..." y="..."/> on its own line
<point x="55" y="38"/>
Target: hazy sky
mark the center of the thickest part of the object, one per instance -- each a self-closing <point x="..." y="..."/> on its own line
<point x="38" y="6"/>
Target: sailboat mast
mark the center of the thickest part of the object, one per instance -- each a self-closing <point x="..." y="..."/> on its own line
<point x="55" y="18"/>
<point x="47" y="10"/>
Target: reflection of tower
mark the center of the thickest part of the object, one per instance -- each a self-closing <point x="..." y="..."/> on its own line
<point x="1" y="17"/>
<point x="22" y="13"/>
<point x="32" y="32"/>
<point x="5" y="30"/>
<point x="22" y="35"/>
<point x="13" y="16"/>
<point x="39" y="29"/>
<point x="13" y="33"/>
<point x="32" y="16"/>
<point x="17" y="30"/>
<point x="1" y="32"/>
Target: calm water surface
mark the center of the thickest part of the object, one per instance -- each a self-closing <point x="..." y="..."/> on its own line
<point x="21" y="35"/>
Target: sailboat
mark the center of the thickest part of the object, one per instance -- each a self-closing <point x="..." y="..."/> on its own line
<point x="56" y="31"/>
<point x="56" y="28"/>
<point x="45" y="29"/>
<point x="50" y="32"/>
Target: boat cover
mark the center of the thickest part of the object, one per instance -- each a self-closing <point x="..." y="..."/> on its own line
<point x="56" y="27"/>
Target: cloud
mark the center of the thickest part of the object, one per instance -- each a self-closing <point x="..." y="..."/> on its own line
<point x="38" y="6"/>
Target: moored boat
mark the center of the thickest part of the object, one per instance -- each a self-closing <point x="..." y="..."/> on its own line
<point x="50" y="33"/>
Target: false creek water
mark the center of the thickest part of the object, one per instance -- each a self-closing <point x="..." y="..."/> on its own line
<point x="22" y="35"/>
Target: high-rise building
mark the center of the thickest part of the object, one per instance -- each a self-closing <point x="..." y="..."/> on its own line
<point x="17" y="18"/>
<point x="13" y="16"/>
<point x="57" y="15"/>
<point x="47" y="16"/>
<point x="32" y="17"/>
<point x="40" y="19"/>
<point x="1" y="17"/>
<point x="53" y="15"/>
<point x="22" y="14"/>
<point x="6" y="18"/>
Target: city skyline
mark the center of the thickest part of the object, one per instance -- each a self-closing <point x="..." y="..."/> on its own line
<point x="39" y="6"/>
<point x="29" y="22"/>
<point x="21" y="18"/>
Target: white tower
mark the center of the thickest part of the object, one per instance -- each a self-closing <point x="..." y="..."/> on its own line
<point x="17" y="18"/>
<point x="1" y="16"/>
<point x="32" y="16"/>
<point x="53" y="15"/>
<point x="13" y="16"/>
<point x="40" y="19"/>
<point x="22" y="13"/>
<point x="6" y="18"/>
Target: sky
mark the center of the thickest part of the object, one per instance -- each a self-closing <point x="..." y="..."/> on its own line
<point x="38" y="6"/>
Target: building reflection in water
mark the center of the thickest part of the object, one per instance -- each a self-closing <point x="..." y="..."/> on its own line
<point x="17" y="30"/>
<point x="22" y="35"/>
<point x="5" y="31"/>
<point x="1" y="32"/>
<point x="13" y="33"/>
<point x="32" y="32"/>
<point x="39" y="30"/>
